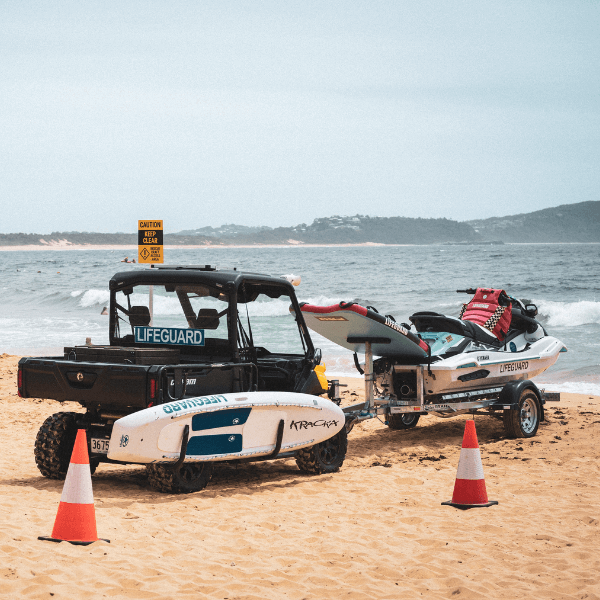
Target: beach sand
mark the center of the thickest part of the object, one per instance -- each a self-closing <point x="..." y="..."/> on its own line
<point x="376" y="529"/>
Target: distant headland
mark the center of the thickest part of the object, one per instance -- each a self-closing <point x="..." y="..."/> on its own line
<point x="569" y="223"/>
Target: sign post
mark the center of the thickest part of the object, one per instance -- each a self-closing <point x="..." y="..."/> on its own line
<point x="150" y="242"/>
<point x="150" y="250"/>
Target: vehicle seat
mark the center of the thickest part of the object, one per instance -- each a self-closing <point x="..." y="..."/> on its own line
<point x="425" y="321"/>
<point x="208" y="318"/>
<point x="139" y="316"/>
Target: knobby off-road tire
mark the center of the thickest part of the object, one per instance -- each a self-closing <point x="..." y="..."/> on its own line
<point x="523" y="423"/>
<point x="54" y="445"/>
<point x="402" y="420"/>
<point x="326" y="457"/>
<point x="191" y="477"/>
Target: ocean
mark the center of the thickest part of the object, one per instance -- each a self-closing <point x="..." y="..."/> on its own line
<point x="52" y="299"/>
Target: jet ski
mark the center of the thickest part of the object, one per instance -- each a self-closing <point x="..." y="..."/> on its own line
<point x="442" y="364"/>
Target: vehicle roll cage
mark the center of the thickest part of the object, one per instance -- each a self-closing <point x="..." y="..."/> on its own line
<point x="240" y="287"/>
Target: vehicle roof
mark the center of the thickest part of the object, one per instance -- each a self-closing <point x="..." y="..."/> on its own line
<point x="190" y="274"/>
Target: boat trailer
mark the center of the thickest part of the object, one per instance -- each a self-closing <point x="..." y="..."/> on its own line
<point x="491" y="399"/>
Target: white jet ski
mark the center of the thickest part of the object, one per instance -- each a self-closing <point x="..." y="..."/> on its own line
<point x="233" y="426"/>
<point x="496" y="340"/>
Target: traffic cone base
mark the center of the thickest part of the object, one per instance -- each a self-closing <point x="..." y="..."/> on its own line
<point x="469" y="488"/>
<point x="467" y="506"/>
<point x="76" y="518"/>
<point x="75" y="543"/>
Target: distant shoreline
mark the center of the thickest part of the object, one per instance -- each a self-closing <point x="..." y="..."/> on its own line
<point x="133" y="248"/>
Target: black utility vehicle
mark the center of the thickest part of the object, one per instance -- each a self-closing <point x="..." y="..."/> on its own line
<point x="153" y="358"/>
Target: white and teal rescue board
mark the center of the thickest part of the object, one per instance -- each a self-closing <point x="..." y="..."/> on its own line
<point x="225" y="427"/>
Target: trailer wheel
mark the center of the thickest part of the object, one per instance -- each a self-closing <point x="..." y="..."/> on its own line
<point x="524" y="422"/>
<point x="326" y="457"/>
<point x="54" y="445"/>
<point x="190" y="477"/>
<point x="402" y="420"/>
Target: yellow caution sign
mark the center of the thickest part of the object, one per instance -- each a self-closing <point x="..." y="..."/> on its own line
<point x="150" y="242"/>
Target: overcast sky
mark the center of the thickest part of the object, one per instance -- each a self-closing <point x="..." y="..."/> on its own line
<point x="275" y="113"/>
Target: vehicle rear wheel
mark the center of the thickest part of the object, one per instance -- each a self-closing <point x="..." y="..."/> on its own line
<point x="54" y="445"/>
<point x="524" y="422"/>
<point x="190" y="477"/>
<point x="402" y="420"/>
<point x="326" y="457"/>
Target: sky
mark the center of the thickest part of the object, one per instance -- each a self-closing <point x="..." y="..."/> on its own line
<point x="279" y="112"/>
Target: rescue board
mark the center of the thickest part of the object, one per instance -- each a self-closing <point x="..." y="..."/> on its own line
<point x="349" y="325"/>
<point x="225" y="427"/>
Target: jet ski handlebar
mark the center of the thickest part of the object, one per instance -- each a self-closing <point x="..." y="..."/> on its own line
<point x="467" y="291"/>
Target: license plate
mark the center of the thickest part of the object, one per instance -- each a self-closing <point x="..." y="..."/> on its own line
<point x="99" y="446"/>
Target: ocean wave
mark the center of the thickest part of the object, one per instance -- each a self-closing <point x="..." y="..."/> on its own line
<point x="94" y="298"/>
<point x="169" y="305"/>
<point x="568" y="314"/>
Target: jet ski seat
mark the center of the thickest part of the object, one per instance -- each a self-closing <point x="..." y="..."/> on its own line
<point x="426" y="321"/>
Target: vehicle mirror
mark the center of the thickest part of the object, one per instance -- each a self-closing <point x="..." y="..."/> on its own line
<point x="317" y="356"/>
<point x="531" y="309"/>
<point x="127" y="291"/>
<point x="169" y="288"/>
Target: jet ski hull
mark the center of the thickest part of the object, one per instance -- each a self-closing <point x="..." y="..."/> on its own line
<point x="477" y="369"/>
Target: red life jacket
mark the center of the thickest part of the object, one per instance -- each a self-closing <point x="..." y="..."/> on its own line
<point x="490" y="309"/>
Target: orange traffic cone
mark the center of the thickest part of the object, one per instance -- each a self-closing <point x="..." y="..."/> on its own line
<point x="469" y="488"/>
<point x="76" y="519"/>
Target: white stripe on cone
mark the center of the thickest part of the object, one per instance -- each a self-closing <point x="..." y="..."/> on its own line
<point x="78" y="485"/>
<point x="469" y="464"/>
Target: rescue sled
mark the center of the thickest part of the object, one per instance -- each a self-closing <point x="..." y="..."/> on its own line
<point x="446" y="365"/>
<point x="225" y="427"/>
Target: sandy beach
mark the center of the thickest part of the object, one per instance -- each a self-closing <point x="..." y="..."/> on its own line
<point x="376" y="529"/>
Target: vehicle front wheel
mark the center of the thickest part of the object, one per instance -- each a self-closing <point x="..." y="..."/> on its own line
<point x="402" y="420"/>
<point x="326" y="457"/>
<point x="190" y="477"/>
<point x="54" y="445"/>
<point x="524" y="422"/>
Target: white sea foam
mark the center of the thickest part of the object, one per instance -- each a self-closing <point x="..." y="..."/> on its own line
<point x="94" y="297"/>
<point x="568" y="314"/>
<point x="164" y="305"/>
<point x="572" y="387"/>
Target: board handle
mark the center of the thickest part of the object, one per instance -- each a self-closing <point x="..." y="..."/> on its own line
<point x="184" y="443"/>
<point x="277" y="443"/>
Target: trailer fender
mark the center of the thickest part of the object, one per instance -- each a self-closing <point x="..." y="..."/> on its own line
<point x="512" y="391"/>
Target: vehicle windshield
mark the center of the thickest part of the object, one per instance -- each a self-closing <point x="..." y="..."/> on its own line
<point x="191" y="315"/>
<point x="268" y="325"/>
<point x="195" y="319"/>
